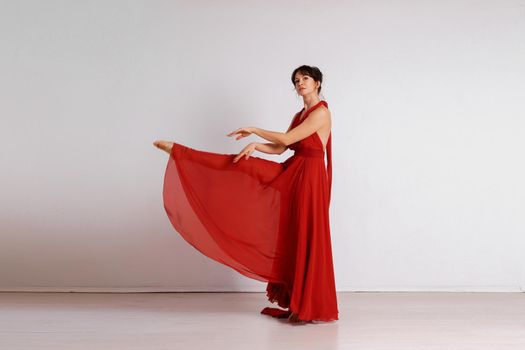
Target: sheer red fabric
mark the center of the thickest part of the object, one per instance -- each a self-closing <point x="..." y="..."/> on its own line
<point x="267" y="220"/>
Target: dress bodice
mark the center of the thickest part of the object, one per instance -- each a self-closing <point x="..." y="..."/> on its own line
<point x="313" y="141"/>
<point x="312" y="146"/>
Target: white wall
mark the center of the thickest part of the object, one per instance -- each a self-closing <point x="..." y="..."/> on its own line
<point x="428" y="125"/>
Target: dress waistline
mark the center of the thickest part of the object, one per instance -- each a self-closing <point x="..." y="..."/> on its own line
<point x="309" y="152"/>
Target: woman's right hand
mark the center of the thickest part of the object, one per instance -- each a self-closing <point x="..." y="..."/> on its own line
<point x="246" y="151"/>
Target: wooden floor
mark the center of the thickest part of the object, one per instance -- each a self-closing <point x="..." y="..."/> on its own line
<point x="151" y="321"/>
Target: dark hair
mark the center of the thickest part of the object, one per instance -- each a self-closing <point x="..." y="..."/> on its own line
<point x="311" y="71"/>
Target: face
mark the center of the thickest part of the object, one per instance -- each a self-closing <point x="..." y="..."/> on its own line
<point x="305" y="84"/>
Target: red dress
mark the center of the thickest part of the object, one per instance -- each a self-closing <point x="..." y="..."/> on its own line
<point x="267" y="220"/>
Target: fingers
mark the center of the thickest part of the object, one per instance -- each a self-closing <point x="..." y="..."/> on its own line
<point x="241" y="131"/>
<point x="233" y="132"/>
<point x="236" y="159"/>
<point x="246" y="155"/>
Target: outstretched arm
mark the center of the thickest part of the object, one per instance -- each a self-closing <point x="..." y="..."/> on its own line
<point x="274" y="148"/>
<point x="269" y="148"/>
<point x="311" y="124"/>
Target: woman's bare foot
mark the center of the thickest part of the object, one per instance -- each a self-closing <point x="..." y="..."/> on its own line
<point x="164" y="145"/>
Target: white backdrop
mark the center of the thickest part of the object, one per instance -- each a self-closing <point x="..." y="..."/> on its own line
<point x="428" y="135"/>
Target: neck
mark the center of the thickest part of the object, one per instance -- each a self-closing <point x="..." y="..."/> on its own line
<point x="310" y="101"/>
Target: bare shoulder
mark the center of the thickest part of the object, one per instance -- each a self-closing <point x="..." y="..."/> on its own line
<point x="321" y="110"/>
<point x="321" y="115"/>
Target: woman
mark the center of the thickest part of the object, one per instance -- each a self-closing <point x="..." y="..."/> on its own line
<point x="267" y="220"/>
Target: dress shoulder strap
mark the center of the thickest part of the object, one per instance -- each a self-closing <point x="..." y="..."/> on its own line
<point x="329" y="160"/>
<point x="329" y="166"/>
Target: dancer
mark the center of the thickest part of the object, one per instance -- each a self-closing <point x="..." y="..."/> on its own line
<point x="267" y="220"/>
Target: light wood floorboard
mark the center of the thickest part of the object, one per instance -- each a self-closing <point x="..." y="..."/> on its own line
<point x="391" y="320"/>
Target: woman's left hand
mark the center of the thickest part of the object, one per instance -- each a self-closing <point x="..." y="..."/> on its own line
<point x="243" y="132"/>
<point x="246" y="152"/>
